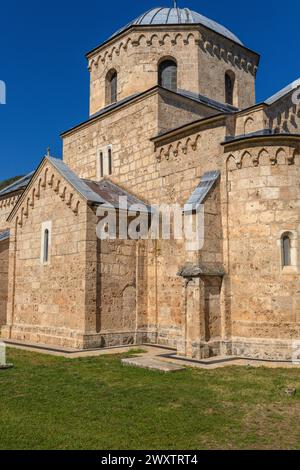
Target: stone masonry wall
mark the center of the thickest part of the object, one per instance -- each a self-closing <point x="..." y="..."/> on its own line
<point x="202" y="56"/>
<point x="216" y="57"/>
<point x="4" y="245"/>
<point x="172" y="319"/>
<point x="164" y="175"/>
<point x="284" y="116"/>
<point x="263" y="203"/>
<point x="135" y="57"/>
<point x="47" y="301"/>
<point x="6" y="206"/>
<point x="181" y="164"/>
<point x="129" y="131"/>
<point x="174" y="111"/>
<point x="121" y="292"/>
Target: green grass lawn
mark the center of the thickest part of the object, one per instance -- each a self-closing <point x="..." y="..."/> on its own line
<point x="50" y="402"/>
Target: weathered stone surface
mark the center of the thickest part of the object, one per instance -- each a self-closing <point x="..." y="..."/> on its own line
<point x="3" y="280"/>
<point x="191" y="271"/>
<point x="232" y="296"/>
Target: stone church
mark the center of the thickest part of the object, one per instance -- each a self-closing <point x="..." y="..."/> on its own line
<point x="173" y="118"/>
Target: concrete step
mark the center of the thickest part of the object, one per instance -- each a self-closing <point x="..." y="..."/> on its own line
<point x="151" y="364"/>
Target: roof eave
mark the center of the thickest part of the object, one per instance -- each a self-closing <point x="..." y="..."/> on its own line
<point x="50" y="160"/>
<point x="258" y="138"/>
<point x="133" y="99"/>
<point x="118" y="106"/>
<point x="192" y="126"/>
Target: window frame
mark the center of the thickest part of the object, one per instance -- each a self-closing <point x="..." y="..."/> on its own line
<point x="46" y="236"/>
<point x="289" y="263"/>
<point x="111" y="87"/>
<point x="110" y="160"/>
<point x="104" y="162"/>
<point x="167" y="62"/>
<point x="114" y="88"/>
<point x="230" y="77"/>
<point x="286" y="249"/>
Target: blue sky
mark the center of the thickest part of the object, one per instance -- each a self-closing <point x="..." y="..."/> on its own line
<point x="42" y="61"/>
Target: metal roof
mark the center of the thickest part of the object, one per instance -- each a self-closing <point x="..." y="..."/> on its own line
<point x="115" y="105"/>
<point x="174" y="16"/>
<point x="223" y="107"/>
<point x="4" y="235"/>
<point x="75" y="181"/>
<point x="17" y="185"/>
<point x="110" y="194"/>
<point x="208" y="180"/>
<point x="284" y="91"/>
<point x="262" y="132"/>
<point x="104" y="192"/>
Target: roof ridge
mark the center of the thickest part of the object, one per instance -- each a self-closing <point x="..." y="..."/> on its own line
<point x="74" y="180"/>
<point x="284" y="91"/>
<point x="8" y="189"/>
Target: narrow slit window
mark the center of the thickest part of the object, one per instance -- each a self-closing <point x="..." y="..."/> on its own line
<point x="101" y="164"/>
<point x="111" y="87"/>
<point x="46" y="231"/>
<point x="109" y="153"/>
<point x="286" y="250"/>
<point x="114" y="88"/>
<point x="46" y="246"/>
<point x="229" y="87"/>
<point x="105" y="162"/>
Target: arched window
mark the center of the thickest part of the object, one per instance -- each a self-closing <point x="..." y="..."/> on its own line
<point x="111" y="87"/>
<point x="46" y="246"/>
<point x="46" y="231"/>
<point x="229" y="87"/>
<point x="167" y="74"/>
<point x="286" y="249"/>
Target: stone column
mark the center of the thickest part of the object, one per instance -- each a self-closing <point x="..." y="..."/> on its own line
<point x="193" y="314"/>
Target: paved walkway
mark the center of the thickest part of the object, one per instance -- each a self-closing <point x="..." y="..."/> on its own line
<point x="147" y="362"/>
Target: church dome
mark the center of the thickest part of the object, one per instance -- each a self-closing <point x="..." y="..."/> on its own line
<point x="174" y="16"/>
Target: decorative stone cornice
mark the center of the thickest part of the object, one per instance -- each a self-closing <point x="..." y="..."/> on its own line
<point x="266" y="155"/>
<point x="206" y="42"/>
<point x="180" y="147"/>
<point x="9" y="202"/>
<point x="48" y="178"/>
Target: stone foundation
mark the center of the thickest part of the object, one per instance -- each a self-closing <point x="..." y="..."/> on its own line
<point x="110" y="340"/>
<point x="69" y="339"/>
<point x="167" y="337"/>
<point x="201" y="350"/>
<point x="260" y="349"/>
<point x="265" y="349"/>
